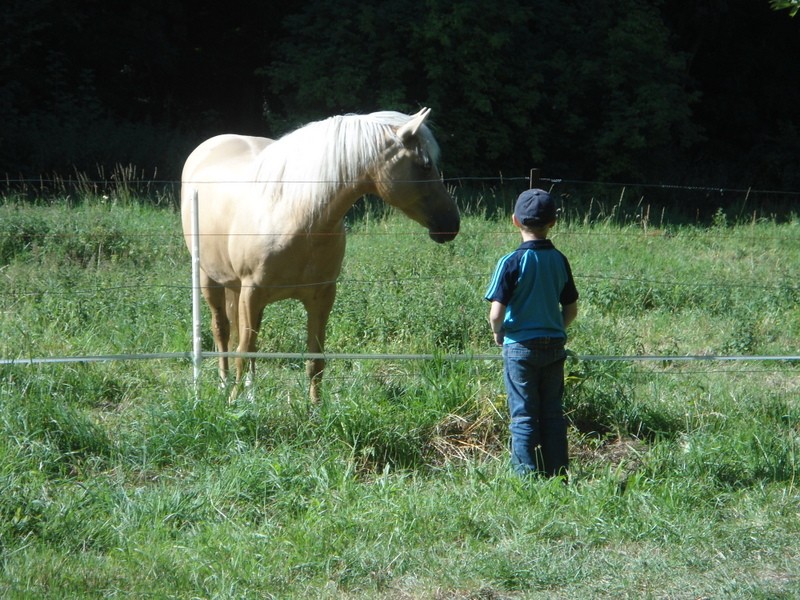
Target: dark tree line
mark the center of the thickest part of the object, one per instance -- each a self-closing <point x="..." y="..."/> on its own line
<point x="685" y="92"/>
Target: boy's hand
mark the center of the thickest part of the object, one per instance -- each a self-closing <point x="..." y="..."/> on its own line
<point x="499" y="337"/>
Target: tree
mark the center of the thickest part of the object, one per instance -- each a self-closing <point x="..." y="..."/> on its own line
<point x="612" y="89"/>
<point x="512" y="84"/>
<point x="793" y="6"/>
<point x="619" y="101"/>
<point x="743" y="60"/>
<point x="86" y="85"/>
<point x="83" y="84"/>
<point x="469" y="61"/>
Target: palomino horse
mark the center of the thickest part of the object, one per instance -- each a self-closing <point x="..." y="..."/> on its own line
<point x="271" y="216"/>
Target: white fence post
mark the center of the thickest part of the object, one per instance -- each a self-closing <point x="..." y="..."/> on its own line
<point x="197" y="340"/>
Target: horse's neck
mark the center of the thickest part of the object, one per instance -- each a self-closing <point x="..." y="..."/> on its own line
<point x="344" y="172"/>
<point x="331" y="213"/>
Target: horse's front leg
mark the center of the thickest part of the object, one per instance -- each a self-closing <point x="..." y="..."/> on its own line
<point x="232" y="310"/>
<point x="318" y="309"/>
<point x="251" y="309"/>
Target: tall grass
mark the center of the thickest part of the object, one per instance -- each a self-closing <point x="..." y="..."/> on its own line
<point x="116" y="480"/>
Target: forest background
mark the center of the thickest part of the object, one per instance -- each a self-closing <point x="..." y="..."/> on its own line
<point x="682" y="93"/>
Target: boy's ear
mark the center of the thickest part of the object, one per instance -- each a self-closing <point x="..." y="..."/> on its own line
<point x="515" y="220"/>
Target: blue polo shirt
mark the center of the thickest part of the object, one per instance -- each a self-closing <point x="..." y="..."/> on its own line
<point x="533" y="283"/>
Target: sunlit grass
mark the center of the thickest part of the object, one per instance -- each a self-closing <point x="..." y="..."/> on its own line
<point x="118" y="479"/>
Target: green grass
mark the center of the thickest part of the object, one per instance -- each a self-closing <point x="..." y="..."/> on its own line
<point x="115" y="481"/>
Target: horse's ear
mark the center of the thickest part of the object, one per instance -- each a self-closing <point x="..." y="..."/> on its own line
<point x="410" y="129"/>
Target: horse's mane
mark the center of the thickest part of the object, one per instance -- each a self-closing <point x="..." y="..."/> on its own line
<point x="309" y="165"/>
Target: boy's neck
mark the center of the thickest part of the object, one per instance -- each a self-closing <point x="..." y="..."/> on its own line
<point x="534" y="235"/>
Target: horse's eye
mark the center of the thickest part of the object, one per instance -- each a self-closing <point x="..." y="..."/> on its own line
<point x="426" y="162"/>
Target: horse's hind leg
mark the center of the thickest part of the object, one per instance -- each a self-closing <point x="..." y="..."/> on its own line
<point x="214" y="294"/>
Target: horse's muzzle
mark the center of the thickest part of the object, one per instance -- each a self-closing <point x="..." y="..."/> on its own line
<point x="440" y="237"/>
<point x="444" y="233"/>
<point x="443" y="225"/>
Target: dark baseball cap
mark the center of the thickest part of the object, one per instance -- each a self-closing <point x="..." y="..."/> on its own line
<point x="535" y="207"/>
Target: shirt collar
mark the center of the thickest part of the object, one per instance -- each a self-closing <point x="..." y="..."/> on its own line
<point x="537" y="245"/>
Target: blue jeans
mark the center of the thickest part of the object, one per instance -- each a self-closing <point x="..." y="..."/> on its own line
<point x="534" y="378"/>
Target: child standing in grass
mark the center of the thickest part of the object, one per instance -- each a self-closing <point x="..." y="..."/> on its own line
<point x="533" y="299"/>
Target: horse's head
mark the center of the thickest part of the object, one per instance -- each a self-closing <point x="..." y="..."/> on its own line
<point x="409" y="180"/>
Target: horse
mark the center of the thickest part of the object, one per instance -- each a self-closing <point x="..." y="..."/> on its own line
<point x="271" y="217"/>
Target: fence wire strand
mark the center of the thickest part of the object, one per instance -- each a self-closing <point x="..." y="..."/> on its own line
<point x="81" y="183"/>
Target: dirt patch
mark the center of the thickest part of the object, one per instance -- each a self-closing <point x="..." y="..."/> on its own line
<point x="462" y="438"/>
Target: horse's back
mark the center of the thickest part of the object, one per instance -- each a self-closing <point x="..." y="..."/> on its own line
<point x="217" y="170"/>
<point x="229" y="155"/>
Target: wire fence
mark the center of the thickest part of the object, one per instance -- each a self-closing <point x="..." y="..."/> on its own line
<point x="670" y="358"/>
<point x="534" y="178"/>
<point x="132" y="183"/>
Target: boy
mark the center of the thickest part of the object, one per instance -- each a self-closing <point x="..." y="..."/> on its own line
<point x="533" y="299"/>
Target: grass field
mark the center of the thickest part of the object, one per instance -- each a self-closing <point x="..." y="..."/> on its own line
<point x="117" y="482"/>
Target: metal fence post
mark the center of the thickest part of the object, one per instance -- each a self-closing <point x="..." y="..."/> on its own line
<point x="197" y="340"/>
